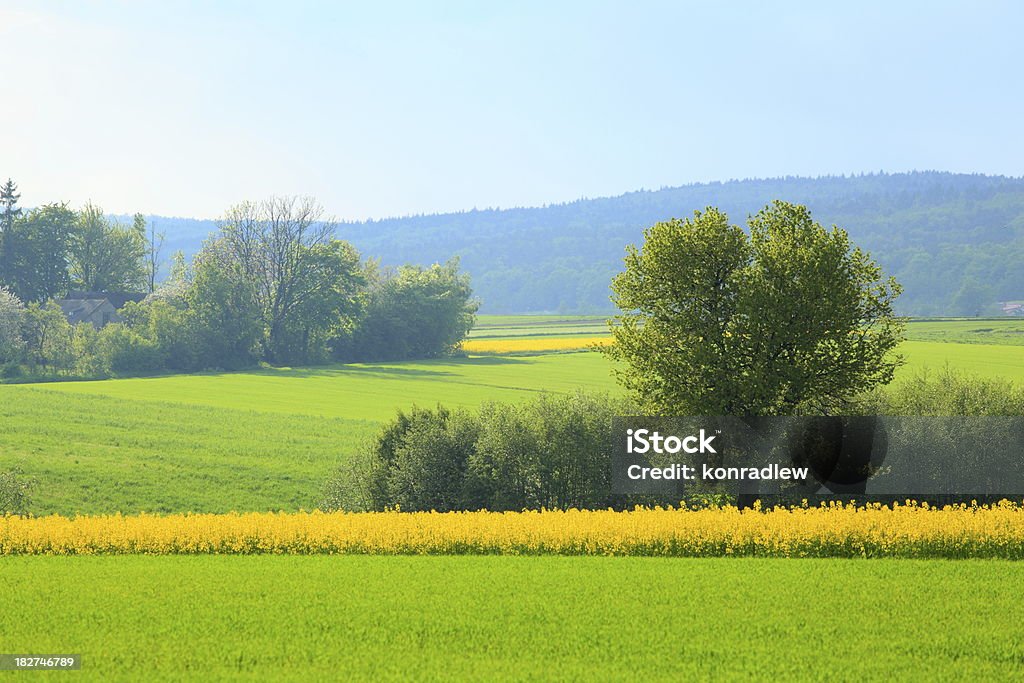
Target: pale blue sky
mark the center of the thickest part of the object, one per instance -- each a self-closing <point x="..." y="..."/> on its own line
<point x="383" y="109"/>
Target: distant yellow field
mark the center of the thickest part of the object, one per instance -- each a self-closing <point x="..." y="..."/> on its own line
<point x="537" y="344"/>
<point x="985" y="360"/>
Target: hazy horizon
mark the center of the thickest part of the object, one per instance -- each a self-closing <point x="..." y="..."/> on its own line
<point x="566" y="202"/>
<point x="401" y="109"/>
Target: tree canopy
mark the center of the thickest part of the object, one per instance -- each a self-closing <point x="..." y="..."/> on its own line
<point x="716" y="321"/>
<point x="412" y="312"/>
<point x="105" y="255"/>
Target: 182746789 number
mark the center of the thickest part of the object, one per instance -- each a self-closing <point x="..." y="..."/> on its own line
<point x="22" y="662"/>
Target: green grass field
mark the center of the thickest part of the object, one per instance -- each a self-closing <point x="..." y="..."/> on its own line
<point x="262" y="440"/>
<point x="969" y="331"/>
<point x="520" y="327"/>
<point x="957" y="330"/>
<point x="94" y="454"/>
<point x="986" y="360"/>
<point x="363" y="391"/>
<point x="268" y="439"/>
<point x="536" y="618"/>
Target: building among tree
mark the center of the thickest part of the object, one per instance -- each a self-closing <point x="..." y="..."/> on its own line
<point x="98" y="308"/>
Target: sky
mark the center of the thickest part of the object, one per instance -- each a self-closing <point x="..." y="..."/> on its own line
<point x="385" y="108"/>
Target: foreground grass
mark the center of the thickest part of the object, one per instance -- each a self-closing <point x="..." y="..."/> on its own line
<point x="536" y="618"/>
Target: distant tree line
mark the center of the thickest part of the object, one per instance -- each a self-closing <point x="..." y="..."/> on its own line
<point x="955" y="241"/>
<point x="272" y="284"/>
<point x="48" y="250"/>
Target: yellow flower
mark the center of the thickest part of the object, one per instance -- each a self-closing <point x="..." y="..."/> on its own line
<point x="528" y="345"/>
<point x="833" y="530"/>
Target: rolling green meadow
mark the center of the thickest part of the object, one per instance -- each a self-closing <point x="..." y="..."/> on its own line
<point x="263" y="440"/>
<point x="568" y="342"/>
<point x="266" y="439"/>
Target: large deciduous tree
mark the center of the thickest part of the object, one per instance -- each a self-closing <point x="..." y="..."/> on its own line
<point x="39" y="264"/>
<point x="224" y="317"/>
<point x="33" y="247"/>
<point x="791" y="317"/>
<point x="106" y="256"/>
<point x="281" y="257"/>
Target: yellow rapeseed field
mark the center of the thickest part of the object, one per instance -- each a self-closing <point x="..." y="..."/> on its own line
<point x="537" y="344"/>
<point x="830" y="531"/>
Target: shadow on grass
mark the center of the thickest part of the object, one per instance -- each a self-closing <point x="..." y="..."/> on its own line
<point x="439" y="367"/>
<point x="436" y="367"/>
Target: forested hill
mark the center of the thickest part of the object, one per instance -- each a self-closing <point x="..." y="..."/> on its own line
<point x="956" y="242"/>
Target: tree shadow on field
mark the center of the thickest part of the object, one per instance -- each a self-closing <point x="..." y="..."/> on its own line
<point x="445" y="367"/>
<point x="487" y="360"/>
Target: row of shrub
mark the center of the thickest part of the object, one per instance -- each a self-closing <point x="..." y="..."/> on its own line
<point x="555" y="452"/>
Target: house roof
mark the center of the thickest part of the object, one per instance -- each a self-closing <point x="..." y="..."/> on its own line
<point x="81" y="310"/>
<point x="117" y="299"/>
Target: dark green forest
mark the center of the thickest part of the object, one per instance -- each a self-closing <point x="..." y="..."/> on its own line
<point x="955" y="241"/>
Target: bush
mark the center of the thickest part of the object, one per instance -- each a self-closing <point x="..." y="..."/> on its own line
<point x="418" y="461"/>
<point x="949" y="392"/>
<point x="166" y="322"/>
<point x="15" y="493"/>
<point x="505" y="469"/>
<point x="88" y="362"/>
<point x="553" y="452"/>
<point x="11" y="371"/>
<point x="49" y="339"/>
<point x="413" y="312"/>
<point x="430" y="464"/>
<point x="125" y="351"/>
